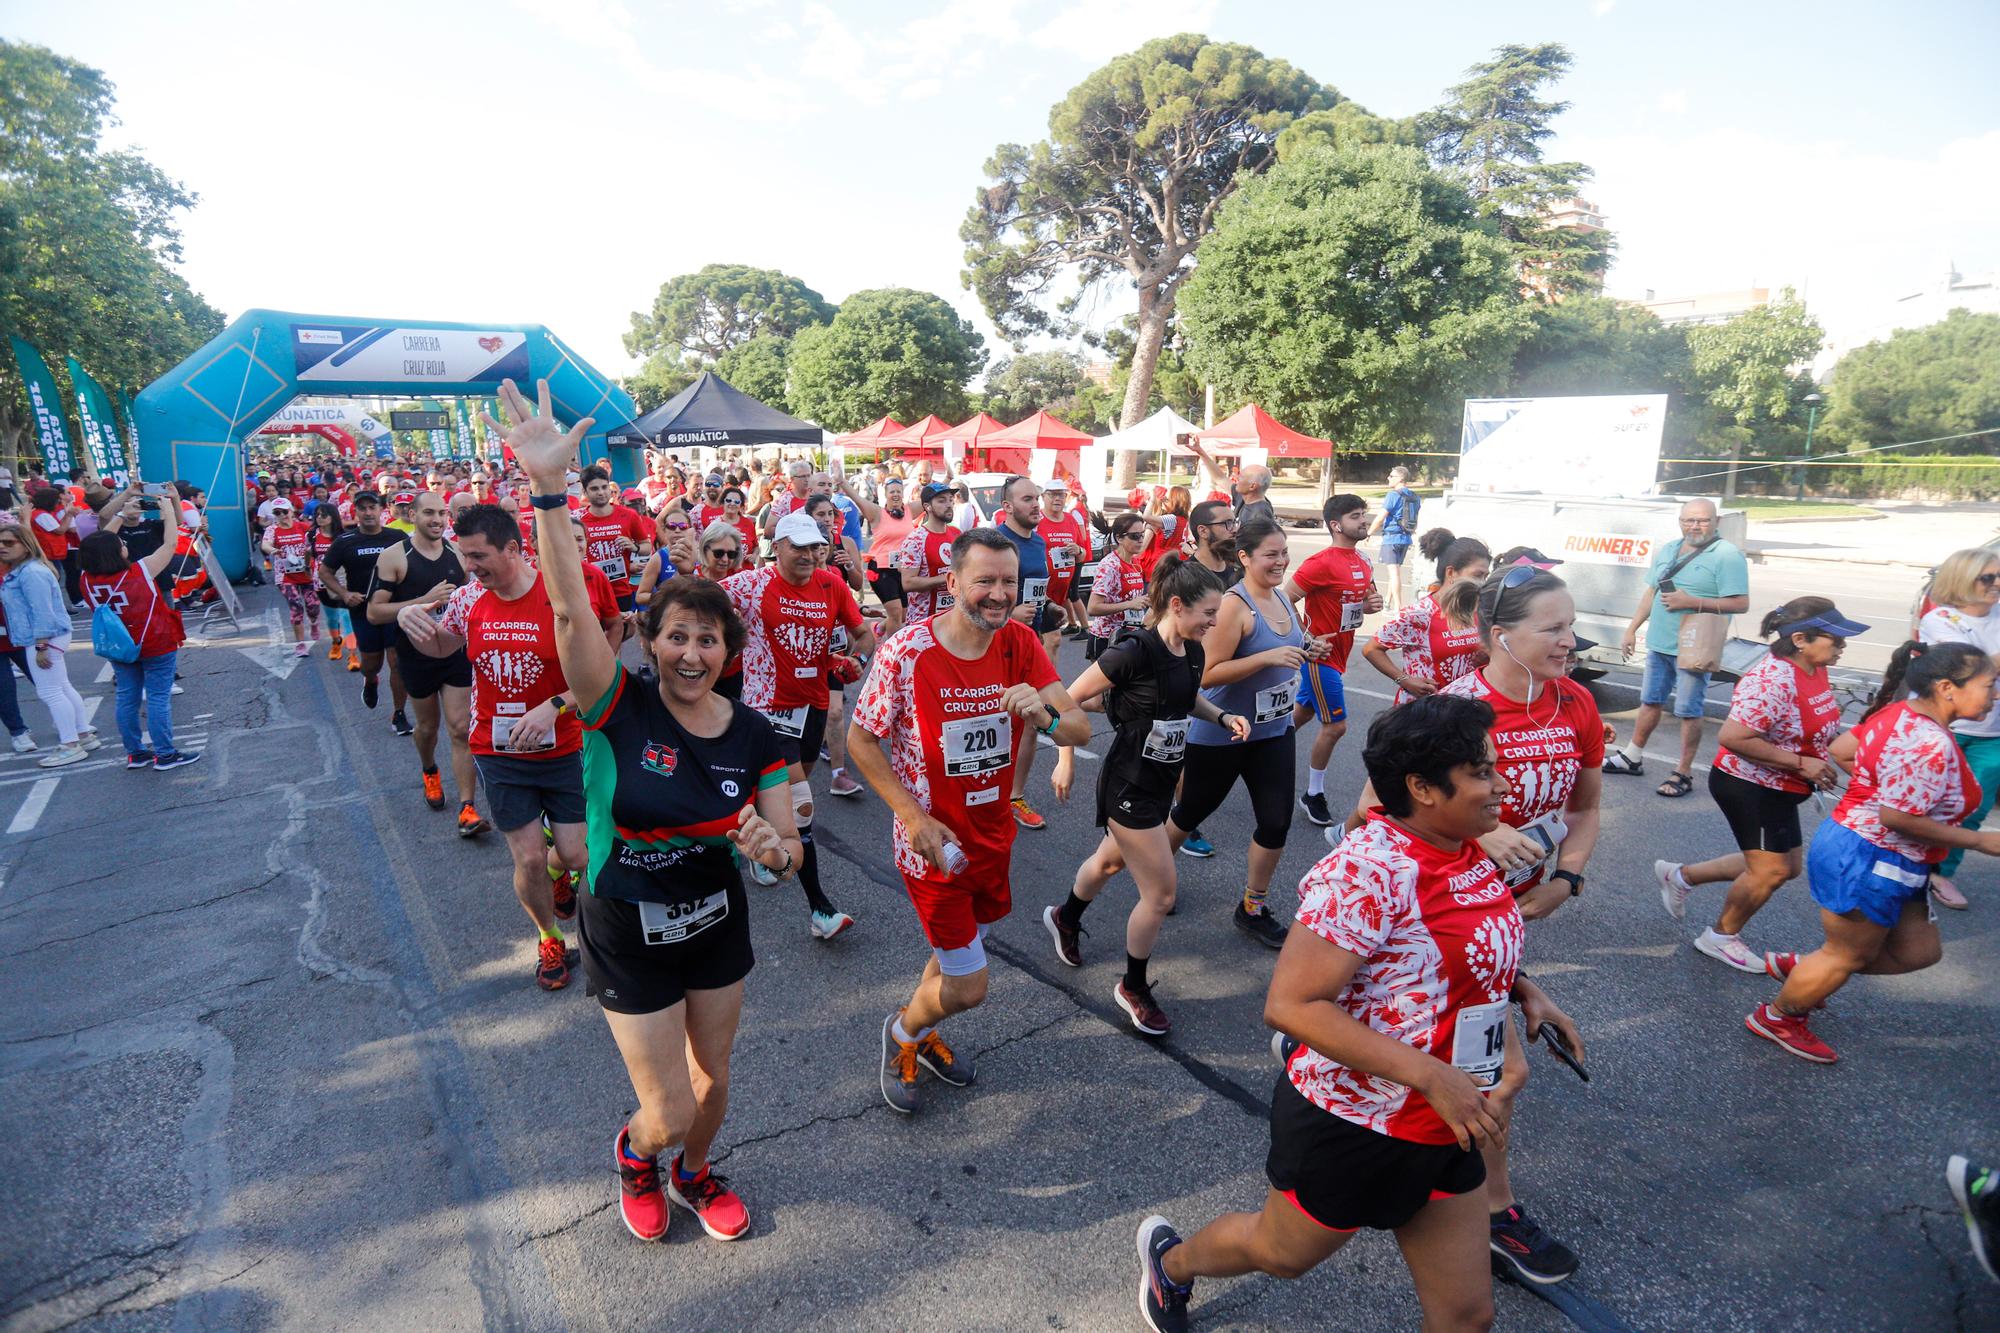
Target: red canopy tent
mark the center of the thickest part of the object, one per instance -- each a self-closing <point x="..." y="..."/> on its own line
<point x="973" y="433"/>
<point x="1254" y="428"/>
<point x="1011" y="450"/>
<point x="922" y="439"/>
<point x="870" y="435"/>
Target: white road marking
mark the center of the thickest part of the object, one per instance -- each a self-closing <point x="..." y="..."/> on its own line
<point x="30" y="813"/>
<point x="104" y="674"/>
<point x="90" y="709"/>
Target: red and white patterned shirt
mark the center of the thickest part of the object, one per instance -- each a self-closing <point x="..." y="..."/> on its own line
<point x="790" y="633"/>
<point x="951" y="744"/>
<point x="926" y="554"/>
<point x="1908" y="763"/>
<point x="601" y="534"/>
<point x="1432" y="650"/>
<point x="1440" y="942"/>
<point x="1115" y="581"/>
<point x="1790" y="709"/>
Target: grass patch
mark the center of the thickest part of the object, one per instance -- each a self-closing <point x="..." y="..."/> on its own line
<point x="1768" y="506"/>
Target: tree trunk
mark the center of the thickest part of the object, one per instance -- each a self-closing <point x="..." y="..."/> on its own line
<point x="1153" y="314"/>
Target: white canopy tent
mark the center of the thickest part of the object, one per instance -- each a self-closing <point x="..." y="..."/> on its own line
<point x="1159" y="433"/>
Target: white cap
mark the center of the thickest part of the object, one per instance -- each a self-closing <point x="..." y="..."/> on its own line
<point x="799" y="530"/>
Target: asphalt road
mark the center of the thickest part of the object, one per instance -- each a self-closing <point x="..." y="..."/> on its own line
<point x="271" y="1055"/>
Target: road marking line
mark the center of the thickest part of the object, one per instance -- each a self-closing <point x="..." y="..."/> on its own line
<point x="104" y="673"/>
<point x="90" y="709"/>
<point x="30" y="813"/>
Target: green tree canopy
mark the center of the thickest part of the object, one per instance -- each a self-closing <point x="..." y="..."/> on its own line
<point x="660" y="378"/>
<point x="1921" y="383"/>
<point x="1018" y="386"/>
<point x="1346" y="125"/>
<point x="1748" y="367"/>
<point x="892" y="352"/>
<point x="1492" y="128"/>
<point x="1139" y="157"/>
<point x="1589" y="344"/>
<point x="706" y="313"/>
<point x="1354" y="294"/>
<point x="88" y="236"/>
<point x="758" y="368"/>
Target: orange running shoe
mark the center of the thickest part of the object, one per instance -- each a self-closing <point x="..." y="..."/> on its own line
<point x="552" y="964"/>
<point x="1025" y="816"/>
<point x="333" y="653"/>
<point x="353" y="661"/>
<point x="469" y="822"/>
<point x="434" y="789"/>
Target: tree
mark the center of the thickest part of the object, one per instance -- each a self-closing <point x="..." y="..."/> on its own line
<point x="1354" y="294"/>
<point x="1589" y="344"/>
<point x="758" y="368"/>
<point x="88" y="237"/>
<point x="1748" y="370"/>
<point x="1019" y="386"/>
<point x="1492" y="130"/>
<point x="1346" y="125"/>
<point x="1940" y="380"/>
<point x="1139" y="157"/>
<point x="657" y="381"/>
<point x="706" y="313"/>
<point x="892" y="352"/>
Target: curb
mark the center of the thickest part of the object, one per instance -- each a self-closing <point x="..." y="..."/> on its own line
<point x="1872" y="516"/>
<point x="1827" y="558"/>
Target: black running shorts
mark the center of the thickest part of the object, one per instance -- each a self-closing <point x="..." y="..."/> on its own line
<point x="424" y="675"/>
<point x="1763" y="819"/>
<point x="520" y="791"/>
<point x="707" y="947"/>
<point x="1346" y="1177"/>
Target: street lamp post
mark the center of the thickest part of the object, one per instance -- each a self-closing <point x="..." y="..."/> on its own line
<point x="1812" y="401"/>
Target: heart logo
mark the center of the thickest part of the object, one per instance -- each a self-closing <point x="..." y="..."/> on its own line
<point x="490" y="344"/>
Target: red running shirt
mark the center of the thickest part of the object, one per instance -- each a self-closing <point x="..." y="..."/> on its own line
<point x="514" y="664"/>
<point x="1115" y="581"/>
<point x="1440" y="942"/>
<point x="1542" y="745"/>
<point x="790" y="633"/>
<point x="1068" y="541"/>
<point x="1336" y="583"/>
<point x="601" y="536"/>
<point x="1432" y="650"/>
<point x="1790" y="709"/>
<point x="926" y="554"/>
<point x="1908" y="763"/>
<point x="294" y="555"/>
<point x="951" y="744"/>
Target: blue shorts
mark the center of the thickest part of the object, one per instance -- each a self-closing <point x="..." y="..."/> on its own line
<point x="1666" y="681"/>
<point x="1321" y="690"/>
<point x="1392" y="554"/>
<point x="1848" y="873"/>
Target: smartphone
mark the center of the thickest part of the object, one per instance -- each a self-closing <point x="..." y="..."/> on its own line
<point x="155" y="488"/>
<point x="1551" y="1034"/>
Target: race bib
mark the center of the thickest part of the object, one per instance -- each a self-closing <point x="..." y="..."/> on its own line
<point x="1479" y="1044"/>
<point x="1167" y="741"/>
<point x="672" y="923"/>
<point x="975" y="745"/>
<point x="838" y="643"/>
<point x="613" y="567"/>
<point x="1548" y="831"/>
<point x="1034" y="591"/>
<point x="291" y="564"/>
<point x="789" y="721"/>
<point x="1135" y="615"/>
<point x="503" y="731"/>
<point x="1275" y="702"/>
<point x="1062" y="557"/>
<point x="1351" y="615"/>
<point x="945" y="601"/>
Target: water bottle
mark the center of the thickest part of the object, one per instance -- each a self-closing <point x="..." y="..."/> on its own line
<point x="955" y="860"/>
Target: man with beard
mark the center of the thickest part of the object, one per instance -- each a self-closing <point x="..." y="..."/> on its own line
<point x="1020" y="521"/>
<point x="1214" y="525"/>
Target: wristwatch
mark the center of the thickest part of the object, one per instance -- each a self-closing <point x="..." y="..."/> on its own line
<point x="1055" y="720"/>
<point x="1575" y="880"/>
<point x="548" y="501"/>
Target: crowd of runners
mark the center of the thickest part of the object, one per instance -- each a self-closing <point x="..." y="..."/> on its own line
<point x="636" y="686"/>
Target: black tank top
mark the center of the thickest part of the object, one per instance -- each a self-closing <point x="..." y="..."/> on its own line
<point x="422" y="573"/>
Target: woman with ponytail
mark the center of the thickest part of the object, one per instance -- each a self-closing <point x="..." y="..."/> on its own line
<point x="1870" y="863"/>
<point x="1438" y="634"/>
<point x="1966" y="590"/>
<point x="1150" y="682"/>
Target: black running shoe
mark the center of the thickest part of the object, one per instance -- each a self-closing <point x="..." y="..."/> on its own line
<point x="1977" y="1190"/>
<point x="1068" y="938"/>
<point x="371" y="691"/>
<point x="1261" y="926"/>
<point x="401" y="724"/>
<point x="1530" y="1253"/>
<point x="1314" y="804"/>
<point x="1162" y="1301"/>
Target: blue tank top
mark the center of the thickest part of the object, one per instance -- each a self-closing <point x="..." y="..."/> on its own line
<point x="1269" y="692"/>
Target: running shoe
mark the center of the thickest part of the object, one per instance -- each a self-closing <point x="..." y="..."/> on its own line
<point x="1261" y="926"/>
<point x="301" y="649"/>
<point x="1162" y="1301"/>
<point x="1069" y="939"/>
<point x="1947" y="895"/>
<point x="1530" y="1252"/>
<point x="333" y="652"/>
<point x="400" y="724"/>
<point x="1196" y="845"/>
<point x="1283" y="1047"/>
<point x="1139" y="1006"/>
<point x="25" y="744"/>
<point x="1790" y="1033"/>
<point x="899" y="1071"/>
<point x="470" y="823"/>
<point x="1977" y="1189"/>
<point x="433" y="789"/>
<point x="763" y="874"/>
<point x="63" y="756"/>
<point x="1674" y="890"/>
<point x="353" y="660"/>
<point x="1025" y="816"/>
<point x="143" y="759"/>
<point x="1314" y="804"/>
<point x="175" y="759"/>
<point x="562" y="891"/>
<point x="1780" y="965"/>
<point x="717" y="1207"/>
<point x="941" y="1060"/>
<point x="640" y="1202"/>
<point x="843" y="785"/>
<point x="371" y="691"/>
<point x="552" y="964"/>
<point x="825" y="925"/>
<point x="89" y="740"/>
<point x="1729" y="949"/>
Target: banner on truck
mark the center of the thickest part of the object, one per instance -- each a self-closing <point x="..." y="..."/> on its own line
<point x="1602" y="446"/>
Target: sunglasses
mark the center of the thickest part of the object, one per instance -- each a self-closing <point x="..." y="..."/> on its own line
<point x="1137" y="536"/>
<point x="726" y="553"/>
<point x="676" y="527"/>
<point x="1988" y="580"/>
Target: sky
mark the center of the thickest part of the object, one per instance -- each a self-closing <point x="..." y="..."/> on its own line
<point x="554" y="161"/>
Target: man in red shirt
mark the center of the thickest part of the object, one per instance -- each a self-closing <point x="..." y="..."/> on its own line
<point x="1067" y="532"/>
<point x="1338" y="588"/>
<point x="798" y="476"/>
<point x="526" y="740"/>
<point x="953" y="696"/>
<point x="617" y="539"/>
<point x="925" y="556"/>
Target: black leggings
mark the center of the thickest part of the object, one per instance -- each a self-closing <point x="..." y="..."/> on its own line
<point x="1269" y="769"/>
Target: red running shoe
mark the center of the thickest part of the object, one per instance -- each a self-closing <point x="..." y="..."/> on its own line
<point x="552" y="965"/>
<point x="563" y="890"/>
<point x="716" y="1206"/>
<point x="1780" y="965"/>
<point x="640" y="1201"/>
<point x="1791" y="1034"/>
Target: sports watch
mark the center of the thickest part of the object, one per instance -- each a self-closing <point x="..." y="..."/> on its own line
<point x="1575" y="880"/>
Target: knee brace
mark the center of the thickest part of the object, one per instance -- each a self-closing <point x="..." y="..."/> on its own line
<point x="802" y="805"/>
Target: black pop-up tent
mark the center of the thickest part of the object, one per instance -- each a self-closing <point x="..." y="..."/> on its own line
<point x="713" y="412"/>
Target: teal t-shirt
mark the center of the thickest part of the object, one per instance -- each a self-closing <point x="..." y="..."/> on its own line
<point x="1719" y="571"/>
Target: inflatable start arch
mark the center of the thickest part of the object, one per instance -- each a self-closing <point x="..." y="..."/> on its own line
<point x="192" y="420"/>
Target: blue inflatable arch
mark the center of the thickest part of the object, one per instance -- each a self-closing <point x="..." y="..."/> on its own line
<point x="193" y="419"/>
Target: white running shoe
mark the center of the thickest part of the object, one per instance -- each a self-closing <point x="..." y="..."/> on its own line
<point x="763" y="874"/>
<point x="1730" y="949"/>
<point x="825" y="925"/>
<point x="25" y="744"/>
<point x="88" y="740"/>
<point x="64" y="755"/>
<point x="1674" y="890"/>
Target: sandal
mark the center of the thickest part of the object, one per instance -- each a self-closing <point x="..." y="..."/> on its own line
<point x="1947" y="894"/>
<point x="1617" y="761"/>
<point x="1679" y="784"/>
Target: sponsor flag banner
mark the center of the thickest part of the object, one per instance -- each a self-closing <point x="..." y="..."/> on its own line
<point x="100" y="427"/>
<point x="131" y="431"/>
<point x="465" y="447"/>
<point x="45" y="408"/>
